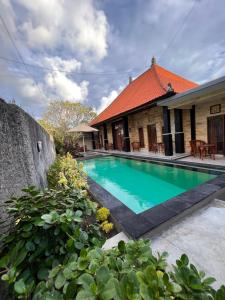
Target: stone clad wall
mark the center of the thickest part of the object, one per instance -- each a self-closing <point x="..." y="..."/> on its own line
<point x="187" y="130"/>
<point x="109" y="133"/>
<point x="21" y="164"/>
<point x="202" y="112"/>
<point x="142" y="119"/>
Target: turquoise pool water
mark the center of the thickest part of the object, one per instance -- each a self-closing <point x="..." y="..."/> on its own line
<point x="142" y="185"/>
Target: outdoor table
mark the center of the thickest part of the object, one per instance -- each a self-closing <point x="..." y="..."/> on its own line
<point x="207" y="150"/>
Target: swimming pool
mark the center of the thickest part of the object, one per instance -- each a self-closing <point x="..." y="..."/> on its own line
<point x="142" y="185"/>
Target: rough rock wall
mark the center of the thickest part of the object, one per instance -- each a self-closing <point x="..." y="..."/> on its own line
<point x="21" y="163"/>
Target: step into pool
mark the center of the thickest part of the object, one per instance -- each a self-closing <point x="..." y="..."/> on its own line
<point x="142" y="185"/>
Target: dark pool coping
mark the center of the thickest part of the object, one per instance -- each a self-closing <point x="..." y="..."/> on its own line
<point x="136" y="225"/>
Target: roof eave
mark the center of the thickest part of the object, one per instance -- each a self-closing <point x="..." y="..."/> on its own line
<point x="192" y="95"/>
<point x="149" y="104"/>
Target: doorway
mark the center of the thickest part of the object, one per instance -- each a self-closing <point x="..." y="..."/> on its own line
<point x="216" y="133"/>
<point x="152" y="137"/>
<point x="118" y="135"/>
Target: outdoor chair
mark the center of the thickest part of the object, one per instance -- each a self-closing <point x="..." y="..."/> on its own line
<point x="195" y="146"/>
<point x="153" y="147"/>
<point x="135" y="146"/>
<point x="110" y="146"/>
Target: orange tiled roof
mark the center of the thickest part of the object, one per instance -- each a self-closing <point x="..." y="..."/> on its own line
<point x="147" y="87"/>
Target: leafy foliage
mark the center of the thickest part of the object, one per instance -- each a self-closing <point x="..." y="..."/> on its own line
<point x="102" y="214"/>
<point x="106" y="226"/>
<point x="61" y="116"/>
<point x="66" y="172"/>
<point x="50" y="227"/>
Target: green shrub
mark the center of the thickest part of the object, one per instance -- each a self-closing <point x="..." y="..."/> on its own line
<point x="50" y="227"/>
<point x="66" y="172"/>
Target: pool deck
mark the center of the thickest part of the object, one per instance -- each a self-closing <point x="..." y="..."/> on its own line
<point x="201" y="236"/>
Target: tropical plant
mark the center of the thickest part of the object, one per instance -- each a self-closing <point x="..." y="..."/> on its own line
<point x="106" y="226"/>
<point x="50" y="227"/>
<point x="102" y="214"/>
<point x="66" y="173"/>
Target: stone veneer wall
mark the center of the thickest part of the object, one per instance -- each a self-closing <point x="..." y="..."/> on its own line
<point x="202" y="112"/>
<point x="142" y="119"/>
<point x="21" y="164"/>
<point x="187" y="130"/>
<point x="109" y="132"/>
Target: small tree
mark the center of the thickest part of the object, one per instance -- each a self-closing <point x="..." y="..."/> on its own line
<point x="61" y="116"/>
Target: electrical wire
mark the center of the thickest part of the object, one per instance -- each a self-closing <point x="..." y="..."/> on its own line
<point x="19" y="54"/>
<point x="178" y="30"/>
<point x="70" y="72"/>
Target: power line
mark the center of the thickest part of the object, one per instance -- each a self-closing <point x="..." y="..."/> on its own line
<point x="178" y="30"/>
<point x="18" y="52"/>
<point x="70" y="72"/>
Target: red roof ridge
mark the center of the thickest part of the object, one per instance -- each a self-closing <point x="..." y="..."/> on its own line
<point x="176" y="75"/>
<point x="157" y="77"/>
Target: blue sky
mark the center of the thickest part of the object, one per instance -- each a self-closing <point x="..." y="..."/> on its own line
<point x="86" y="50"/>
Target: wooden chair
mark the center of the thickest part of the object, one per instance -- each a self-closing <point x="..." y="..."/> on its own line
<point x="153" y="147"/>
<point x="195" y="146"/>
<point x="110" y="146"/>
<point x="135" y="146"/>
<point x="160" y="147"/>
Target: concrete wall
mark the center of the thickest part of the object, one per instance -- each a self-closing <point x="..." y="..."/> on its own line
<point x="21" y="164"/>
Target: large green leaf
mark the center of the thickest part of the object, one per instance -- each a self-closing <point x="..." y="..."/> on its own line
<point x="85" y="295"/>
<point x="60" y="280"/>
<point x="20" y="287"/>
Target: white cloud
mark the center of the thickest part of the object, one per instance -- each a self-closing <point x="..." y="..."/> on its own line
<point x="73" y="23"/>
<point x="65" y="88"/>
<point x="107" y="100"/>
<point x="59" y="84"/>
<point x="58" y="63"/>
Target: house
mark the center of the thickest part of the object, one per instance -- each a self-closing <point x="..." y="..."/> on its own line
<point x="162" y="108"/>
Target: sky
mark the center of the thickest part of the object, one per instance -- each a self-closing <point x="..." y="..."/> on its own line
<point x="85" y="50"/>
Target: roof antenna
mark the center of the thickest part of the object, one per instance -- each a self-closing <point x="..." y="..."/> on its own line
<point x="153" y="60"/>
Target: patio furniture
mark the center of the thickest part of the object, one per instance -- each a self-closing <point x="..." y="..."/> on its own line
<point x="153" y="147"/>
<point x="135" y="146"/>
<point x="82" y="129"/>
<point x="207" y="150"/>
<point x="109" y="146"/>
<point x="195" y="144"/>
<point x="160" y="147"/>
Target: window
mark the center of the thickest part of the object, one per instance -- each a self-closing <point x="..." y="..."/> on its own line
<point x="141" y="137"/>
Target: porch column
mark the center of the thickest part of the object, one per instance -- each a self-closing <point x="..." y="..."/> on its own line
<point x="93" y="140"/>
<point x="179" y="134"/>
<point x="126" y="135"/>
<point x="105" y="136"/>
<point x="167" y="136"/>
<point x="193" y="123"/>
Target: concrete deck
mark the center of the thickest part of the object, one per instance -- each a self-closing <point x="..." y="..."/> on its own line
<point x="219" y="161"/>
<point x="201" y="236"/>
<point x="144" y="154"/>
<point x="179" y="158"/>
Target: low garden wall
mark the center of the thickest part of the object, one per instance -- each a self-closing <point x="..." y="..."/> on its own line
<point x="26" y="151"/>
